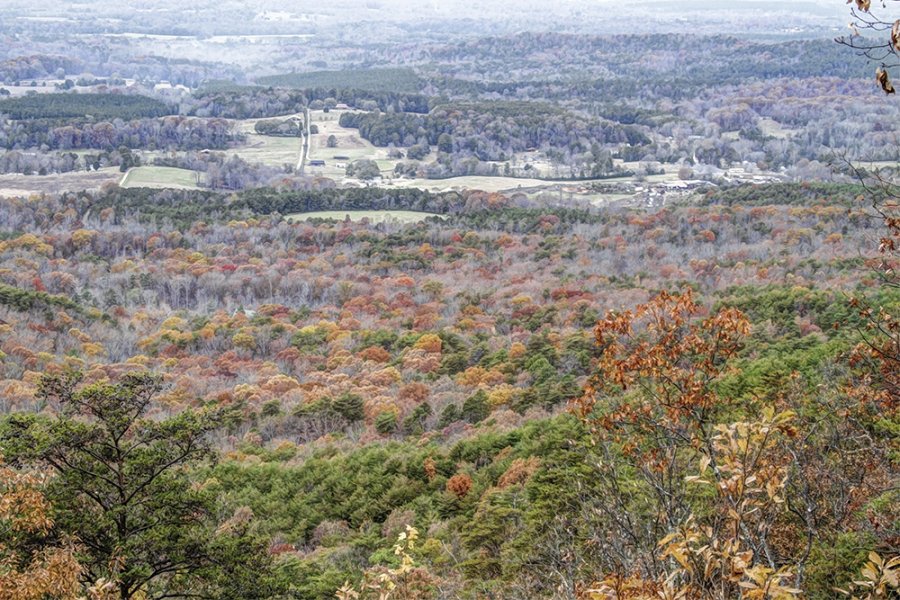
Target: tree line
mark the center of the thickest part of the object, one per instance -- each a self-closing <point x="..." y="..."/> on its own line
<point x="78" y="106"/>
<point x="165" y="133"/>
<point x="492" y="131"/>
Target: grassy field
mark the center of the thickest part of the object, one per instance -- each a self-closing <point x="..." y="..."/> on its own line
<point x="267" y="149"/>
<point x="14" y="185"/>
<point x="472" y="182"/>
<point x="374" y="216"/>
<point x="352" y="147"/>
<point x="349" y="145"/>
<point x="773" y="128"/>
<point x="161" y="177"/>
<point x="512" y="184"/>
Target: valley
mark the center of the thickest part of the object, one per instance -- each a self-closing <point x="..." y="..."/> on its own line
<point x="383" y="300"/>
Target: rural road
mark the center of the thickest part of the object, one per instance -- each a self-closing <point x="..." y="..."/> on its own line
<point x="304" y="151"/>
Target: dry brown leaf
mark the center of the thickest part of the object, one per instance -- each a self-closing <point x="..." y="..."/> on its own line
<point x="881" y="76"/>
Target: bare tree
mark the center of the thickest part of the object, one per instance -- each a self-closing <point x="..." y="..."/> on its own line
<point x="876" y="36"/>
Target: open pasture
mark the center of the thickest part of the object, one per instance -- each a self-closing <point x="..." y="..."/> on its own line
<point x="269" y="150"/>
<point x="349" y="146"/>
<point x="374" y="216"/>
<point x="13" y="184"/>
<point x="162" y="178"/>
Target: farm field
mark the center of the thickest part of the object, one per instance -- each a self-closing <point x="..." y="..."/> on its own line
<point x="269" y="150"/>
<point x="43" y="86"/>
<point x="773" y="128"/>
<point x="374" y="216"/>
<point x="350" y="146"/>
<point x="507" y="184"/>
<point x="484" y="183"/>
<point x="161" y="177"/>
<point x="13" y="185"/>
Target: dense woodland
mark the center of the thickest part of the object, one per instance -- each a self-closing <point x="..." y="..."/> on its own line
<point x="522" y="395"/>
<point x="75" y="106"/>
<point x="495" y="131"/>
<point x="166" y="133"/>
<point x="380" y="377"/>
<point x="375" y="80"/>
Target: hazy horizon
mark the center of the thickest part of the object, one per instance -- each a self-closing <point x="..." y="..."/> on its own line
<point x="751" y="17"/>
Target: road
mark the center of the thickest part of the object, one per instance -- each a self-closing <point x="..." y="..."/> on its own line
<point x="304" y="151"/>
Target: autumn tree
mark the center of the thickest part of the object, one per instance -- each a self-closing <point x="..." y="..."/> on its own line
<point x="122" y="487"/>
<point x="406" y="581"/>
<point x="876" y="360"/>
<point x="32" y="567"/>
<point x="652" y="405"/>
<point x="707" y="497"/>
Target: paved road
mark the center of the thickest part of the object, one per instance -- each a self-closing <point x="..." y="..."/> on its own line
<point x="304" y="151"/>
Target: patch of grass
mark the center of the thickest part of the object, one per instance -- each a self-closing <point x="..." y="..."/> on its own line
<point x="14" y="184"/>
<point x="161" y="177"/>
<point x="374" y="216"/>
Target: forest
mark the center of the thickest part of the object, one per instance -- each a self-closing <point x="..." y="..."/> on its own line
<point x="495" y="131"/>
<point x="355" y="303"/>
<point x="74" y="106"/>
<point x="379" y="377"/>
<point x="166" y="133"/>
<point x="374" y="80"/>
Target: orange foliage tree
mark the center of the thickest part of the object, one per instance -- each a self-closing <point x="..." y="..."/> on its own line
<point x="655" y="412"/>
<point x="29" y="568"/>
<point x="656" y="375"/>
<point x="704" y="497"/>
<point x="459" y="485"/>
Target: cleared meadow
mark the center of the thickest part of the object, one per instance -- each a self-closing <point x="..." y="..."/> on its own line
<point x="162" y="178"/>
<point x="374" y="216"/>
<point x="349" y="146"/>
<point x="14" y="185"/>
<point x="269" y="150"/>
